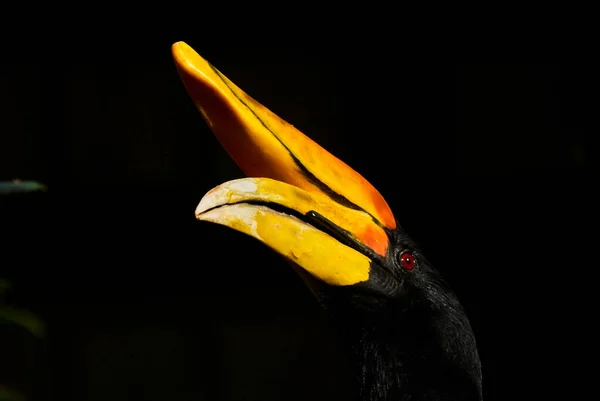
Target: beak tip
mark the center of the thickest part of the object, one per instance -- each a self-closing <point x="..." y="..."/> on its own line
<point x="184" y="56"/>
<point x="224" y="193"/>
<point x="177" y="47"/>
<point x="205" y="204"/>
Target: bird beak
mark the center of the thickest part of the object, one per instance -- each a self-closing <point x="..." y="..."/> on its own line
<point x="308" y="205"/>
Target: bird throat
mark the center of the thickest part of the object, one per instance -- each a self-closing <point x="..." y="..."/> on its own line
<point x="392" y="362"/>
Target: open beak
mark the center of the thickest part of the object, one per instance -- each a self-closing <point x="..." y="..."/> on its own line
<point x="307" y="205"/>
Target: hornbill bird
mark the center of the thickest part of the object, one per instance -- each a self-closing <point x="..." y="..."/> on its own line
<point x="403" y="327"/>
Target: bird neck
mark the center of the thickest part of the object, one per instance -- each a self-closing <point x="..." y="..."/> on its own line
<point x="410" y="357"/>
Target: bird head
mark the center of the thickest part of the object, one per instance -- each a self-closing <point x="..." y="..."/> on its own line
<point x="321" y="215"/>
<point x="299" y="199"/>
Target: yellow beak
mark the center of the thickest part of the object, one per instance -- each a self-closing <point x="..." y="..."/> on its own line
<point x="308" y="205"/>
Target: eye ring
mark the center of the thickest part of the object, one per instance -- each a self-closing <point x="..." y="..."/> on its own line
<point x="407" y="260"/>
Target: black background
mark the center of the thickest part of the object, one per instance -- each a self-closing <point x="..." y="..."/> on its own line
<point x="490" y="167"/>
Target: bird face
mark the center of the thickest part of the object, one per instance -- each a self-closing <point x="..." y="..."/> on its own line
<point x="300" y="200"/>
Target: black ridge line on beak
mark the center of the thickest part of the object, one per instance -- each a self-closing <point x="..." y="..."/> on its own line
<point x="324" y="224"/>
<point x="316" y="220"/>
<point x="339" y="198"/>
<point x="319" y="221"/>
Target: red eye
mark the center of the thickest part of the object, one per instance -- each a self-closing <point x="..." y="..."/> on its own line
<point x="407" y="260"/>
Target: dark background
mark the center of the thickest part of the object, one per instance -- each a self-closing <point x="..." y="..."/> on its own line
<point x="490" y="167"/>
